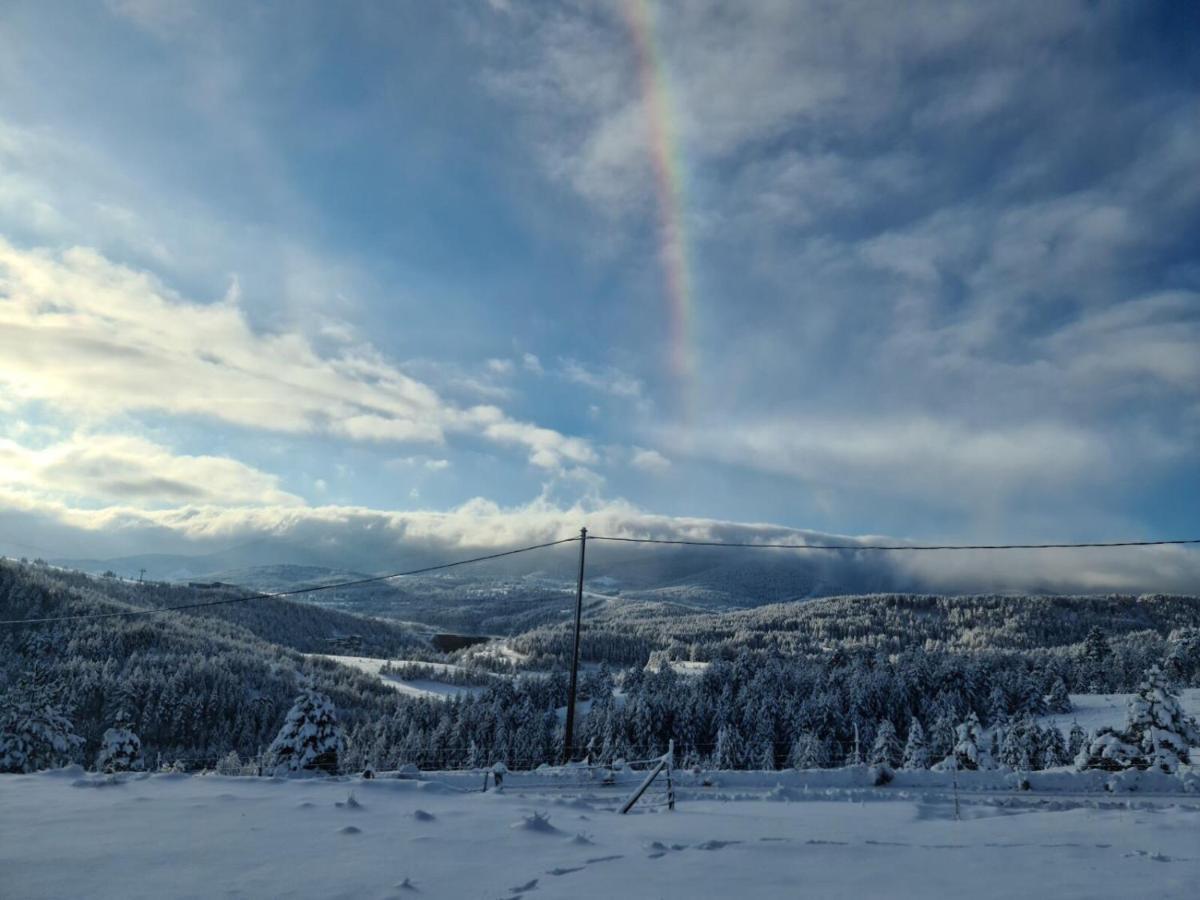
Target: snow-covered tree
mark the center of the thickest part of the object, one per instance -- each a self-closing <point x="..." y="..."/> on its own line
<point x="35" y="731"/>
<point x="966" y="747"/>
<point x="730" y="751"/>
<point x="1076" y="740"/>
<point x="1157" y="724"/>
<point x="310" y="739"/>
<point x="1019" y="749"/>
<point x="1052" y="751"/>
<point x="809" y="752"/>
<point x="35" y="735"/>
<point x="1157" y="734"/>
<point x="886" y="750"/>
<point x="916" y="751"/>
<point x="1058" y="700"/>
<point x="120" y="749"/>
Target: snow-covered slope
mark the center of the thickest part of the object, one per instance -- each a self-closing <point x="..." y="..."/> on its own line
<point x="413" y="687"/>
<point x="72" y="835"/>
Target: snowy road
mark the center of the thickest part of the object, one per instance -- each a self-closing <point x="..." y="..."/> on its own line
<point x="69" y="835"/>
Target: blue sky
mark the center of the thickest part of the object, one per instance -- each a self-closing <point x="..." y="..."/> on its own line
<point x="344" y="263"/>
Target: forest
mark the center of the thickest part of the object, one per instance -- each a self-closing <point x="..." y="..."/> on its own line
<point x="819" y="683"/>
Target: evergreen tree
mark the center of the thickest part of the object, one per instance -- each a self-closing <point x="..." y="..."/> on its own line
<point x="1019" y="750"/>
<point x="120" y="748"/>
<point x="916" y="752"/>
<point x="310" y="739"/>
<point x="729" y="752"/>
<point x="997" y="707"/>
<point x="809" y="752"/>
<point x="966" y="747"/>
<point x="1157" y="734"/>
<point x="1053" y="750"/>
<point x="1058" y="700"/>
<point x="1158" y="726"/>
<point x="1076" y="741"/>
<point x="886" y="750"/>
<point x="35" y="732"/>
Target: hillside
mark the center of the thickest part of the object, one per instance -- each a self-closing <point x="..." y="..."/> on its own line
<point x="199" y="683"/>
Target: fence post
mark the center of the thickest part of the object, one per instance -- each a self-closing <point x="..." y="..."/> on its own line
<point x="670" y="773"/>
<point x="569" y="731"/>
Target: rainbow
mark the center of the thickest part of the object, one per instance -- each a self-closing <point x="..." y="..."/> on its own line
<point x="666" y="160"/>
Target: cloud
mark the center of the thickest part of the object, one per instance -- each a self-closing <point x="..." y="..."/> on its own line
<point x="609" y="380"/>
<point x="649" y="461"/>
<point x="353" y="536"/>
<point x="121" y="341"/>
<point x="942" y="461"/>
<point x="131" y="470"/>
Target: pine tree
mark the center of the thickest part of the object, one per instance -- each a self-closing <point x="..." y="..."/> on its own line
<point x="729" y="752"/>
<point x="310" y="739"/>
<point x="997" y="707"/>
<point x="1157" y="734"/>
<point x="1058" y="700"/>
<point x="886" y="750"/>
<point x="35" y="732"/>
<point x="809" y="752"/>
<point x="1076" y="741"/>
<point x="916" y="752"/>
<point x="1053" y="750"/>
<point x="966" y="748"/>
<point x="1157" y="725"/>
<point x="120" y="748"/>
<point x="1019" y="750"/>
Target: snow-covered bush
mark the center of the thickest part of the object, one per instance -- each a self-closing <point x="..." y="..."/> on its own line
<point x="1157" y="734"/>
<point x="35" y="735"/>
<point x="120" y="749"/>
<point x="311" y="738"/>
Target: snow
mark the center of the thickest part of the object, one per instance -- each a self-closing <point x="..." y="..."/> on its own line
<point x="413" y="687"/>
<point x="751" y="834"/>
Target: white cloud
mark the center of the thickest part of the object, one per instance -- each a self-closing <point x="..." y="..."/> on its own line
<point x="649" y="461"/>
<point x="99" y="467"/>
<point x="361" y="537"/>
<point x="610" y="380"/>
<point x="120" y="341"/>
<point x="532" y="363"/>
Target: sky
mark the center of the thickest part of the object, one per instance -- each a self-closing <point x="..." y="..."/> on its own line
<point x="476" y="271"/>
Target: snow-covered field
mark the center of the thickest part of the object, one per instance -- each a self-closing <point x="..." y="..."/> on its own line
<point x="68" y="834"/>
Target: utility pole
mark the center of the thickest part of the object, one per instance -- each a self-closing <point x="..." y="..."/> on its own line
<point x="141" y="575"/>
<point x="569" y="732"/>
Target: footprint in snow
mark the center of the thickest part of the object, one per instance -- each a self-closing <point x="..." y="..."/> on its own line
<point x="421" y="816"/>
<point x="715" y="845"/>
<point x="562" y="871"/>
<point x="600" y="859"/>
<point x="407" y="885"/>
<point x="350" y="829"/>
<point x="527" y="886"/>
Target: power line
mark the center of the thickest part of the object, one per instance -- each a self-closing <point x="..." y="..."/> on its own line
<point x="628" y="540"/>
<point x="288" y="593"/>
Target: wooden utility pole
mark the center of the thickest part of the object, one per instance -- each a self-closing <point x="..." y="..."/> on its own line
<point x="569" y="731"/>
